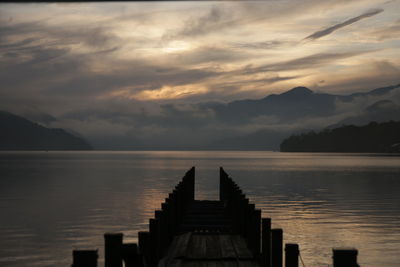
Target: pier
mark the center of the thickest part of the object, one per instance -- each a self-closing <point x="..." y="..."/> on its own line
<point x="187" y="232"/>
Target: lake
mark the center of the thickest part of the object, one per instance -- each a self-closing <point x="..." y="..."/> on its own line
<point x="54" y="202"/>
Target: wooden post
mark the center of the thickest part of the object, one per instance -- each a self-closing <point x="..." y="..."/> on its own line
<point x="163" y="234"/>
<point x="191" y="184"/>
<point x="223" y="184"/>
<point x="245" y="203"/>
<point x="154" y="237"/>
<point x="113" y="249"/>
<point x="291" y="255"/>
<point x="266" y="242"/>
<point x="345" y="257"/>
<point x="84" y="258"/>
<point x="276" y="247"/>
<point x="250" y="225"/>
<point x="130" y="255"/>
<point x="256" y="232"/>
<point x="144" y="246"/>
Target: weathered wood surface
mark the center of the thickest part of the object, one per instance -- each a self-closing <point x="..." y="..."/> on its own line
<point x="207" y="238"/>
<point x="208" y="249"/>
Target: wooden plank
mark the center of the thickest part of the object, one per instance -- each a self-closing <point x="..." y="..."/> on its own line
<point x="196" y="249"/>
<point x="182" y="246"/>
<point x="177" y="250"/>
<point x="227" y="249"/>
<point x="241" y="248"/>
<point x="229" y="263"/>
<point x="213" y="247"/>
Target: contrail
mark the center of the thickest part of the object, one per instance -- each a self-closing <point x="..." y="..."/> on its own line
<point x="319" y="34"/>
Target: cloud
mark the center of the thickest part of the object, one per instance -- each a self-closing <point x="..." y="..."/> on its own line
<point x="216" y="19"/>
<point x="274" y="44"/>
<point x="327" y="31"/>
<point x="311" y="61"/>
<point x="388" y="32"/>
<point x="209" y="54"/>
<point x="94" y="36"/>
<point x="89" y="69"/>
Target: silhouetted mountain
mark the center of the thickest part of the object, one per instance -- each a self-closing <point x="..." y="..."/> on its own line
<point x="376" y="92"/>
<point x="374" y="138"/>
<point x="382" y="105"/>
<point x="291" y="105"/>
<point x="380" y="111"/>
<point x="18" y="133"/>
<point x="297" y="103"/>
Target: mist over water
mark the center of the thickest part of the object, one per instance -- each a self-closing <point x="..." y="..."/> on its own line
<point x="54" y="202"/>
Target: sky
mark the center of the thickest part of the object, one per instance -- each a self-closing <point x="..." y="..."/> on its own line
<point x="85" y="63"/>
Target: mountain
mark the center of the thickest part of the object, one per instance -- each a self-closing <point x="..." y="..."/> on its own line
<point x="295" y="104"/>
<point x="380" y="111"/>
<point x="291" y="105"/>
<point x="18" y="133"/>
<point x="297" y="110"/>
<point x="373" y="138"/>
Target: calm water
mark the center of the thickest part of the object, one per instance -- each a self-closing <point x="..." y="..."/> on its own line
<point x="53" y="202"/>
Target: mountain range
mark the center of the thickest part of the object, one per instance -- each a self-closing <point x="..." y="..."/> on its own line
<point x="248" y="124"/>
<point x="301" y="110"/>
<point x="18" y="133"/>
<point x="296" y="104"/>
<point x="371" y="138"/>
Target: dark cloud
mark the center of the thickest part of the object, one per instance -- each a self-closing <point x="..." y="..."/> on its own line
<point x="331" y="29"/>
<point x="202" y="24"/>
<point x="217" y="18"/>
<point x="311" y="61"/>
<point x="210" y="54"/>
<point x="263" y="45"/>
<point x="91" y="35"/>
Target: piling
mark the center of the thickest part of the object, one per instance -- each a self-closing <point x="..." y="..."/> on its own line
<point x="291" y="255"/>
<point x="130" y="255"/>
<point x="276" y="247"/>
<point x="84" y="258"/>
<point x="113" y="249"/>
<point x="345" y="257"/>
<point x="266" y="242"/>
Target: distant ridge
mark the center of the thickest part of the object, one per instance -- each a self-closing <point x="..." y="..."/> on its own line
<point x="371" y="138"/>
<point x="18" y="133"/>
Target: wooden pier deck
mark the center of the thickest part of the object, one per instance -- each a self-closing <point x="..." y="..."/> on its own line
<point x="206" y="239"/>
<point x="202" y="233"/>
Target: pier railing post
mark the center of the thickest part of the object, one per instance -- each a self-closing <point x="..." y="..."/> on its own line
<point x="191" y="184"/>
<point x="154" y="238"/>
<point x="144" y="247"/>
<point x="113" y="249"/>
<point x="345" y="257"/>
<point x="84" y="258"/>
<point x="291" y="255"/>
<point x="130" y="255"/>
<point x="266" y="242"/>
<point x="276" y="247"/>
<point x="257" y="232"/>
<point x="249" y="226"/>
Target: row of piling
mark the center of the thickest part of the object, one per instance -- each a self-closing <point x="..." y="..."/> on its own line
<point x="265" y="243"/>
<point x="154" y="243"/>
<point x="164" y="226"/>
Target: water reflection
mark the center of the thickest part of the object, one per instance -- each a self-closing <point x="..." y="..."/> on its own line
<point x="56" y="201"/>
